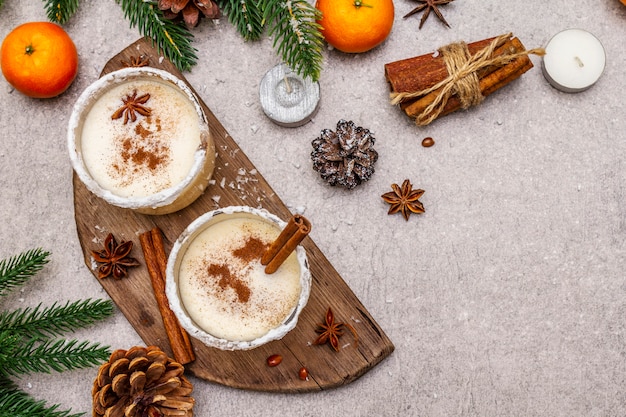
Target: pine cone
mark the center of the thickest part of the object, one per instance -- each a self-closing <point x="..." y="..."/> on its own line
<point x="141" y="382"/>
<point x="345" y="157"/>
<point x="189" y="10"/>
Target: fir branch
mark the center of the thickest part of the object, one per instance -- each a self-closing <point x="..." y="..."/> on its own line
<point x="170" y="38"/>
<point x="16" y="270"/>
<point x="16" y="403"/>
<point x="245" y="15"/>
<point x="297" y="35"/>
<point x="60" y="11"/>
<point x="57" y="319"/>
<point x="60" y="355"/>
<point x="9" y="342"/>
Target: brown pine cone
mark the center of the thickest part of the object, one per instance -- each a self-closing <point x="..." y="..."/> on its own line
<point x="345" y="157"/>
<point x="189" y="10"/>
<point x="141" y="382"/>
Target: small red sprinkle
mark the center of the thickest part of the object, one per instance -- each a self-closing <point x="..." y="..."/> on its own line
<point x="303" y="373"/>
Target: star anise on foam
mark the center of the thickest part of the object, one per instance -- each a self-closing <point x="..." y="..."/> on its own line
<point x="114" y="258"/>
<point x="427" y="5"/>
<point x="132" y="106"/>
<point x="331" y="331"/>
<point x="404" y="200"/>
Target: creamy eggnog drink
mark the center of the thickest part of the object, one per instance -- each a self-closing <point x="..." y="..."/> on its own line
<point x="217" y="283"/>
<point x="141" y="138"/>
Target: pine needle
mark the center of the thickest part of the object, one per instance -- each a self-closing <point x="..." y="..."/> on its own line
<point x="41" y="323"/>
<point x="245" y="15"/>
<point x="57" y="355"/>
<point x="297" y="35"/>
<point x="60" y="11"/>
<point x="16" y="270"/>
<point x="16" y="403"/>
<point x="170" y="38"/>
<point x="25" y="346"/>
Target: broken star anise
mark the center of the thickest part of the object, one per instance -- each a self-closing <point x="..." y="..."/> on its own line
<point x="114" y="258"/>
<point x="427" y="5"/>
<point x="404" y="199"/>
<point x="331" y="330"/>
<point x="136" y="62"/>
<point x="132" y="105"/>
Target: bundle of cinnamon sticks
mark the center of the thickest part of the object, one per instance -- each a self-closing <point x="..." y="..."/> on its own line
<point x="425" y="86"/>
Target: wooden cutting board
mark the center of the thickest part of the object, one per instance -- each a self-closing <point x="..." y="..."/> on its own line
<point x="236" y="183"/>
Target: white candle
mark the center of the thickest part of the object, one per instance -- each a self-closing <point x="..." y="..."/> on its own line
<point x="574" y="60"/>
<point x="288" y="99"/>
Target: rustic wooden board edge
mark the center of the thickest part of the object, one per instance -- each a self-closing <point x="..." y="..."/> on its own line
<point x="146" y="319"/>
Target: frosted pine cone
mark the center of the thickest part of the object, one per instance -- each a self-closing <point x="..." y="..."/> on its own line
<point x="345" y="157"/>
<point x="141" y="382"/>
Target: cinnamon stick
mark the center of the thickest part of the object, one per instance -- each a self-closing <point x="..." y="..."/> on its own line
<point x="156" y="261"/>
<point x="297" y="228"/>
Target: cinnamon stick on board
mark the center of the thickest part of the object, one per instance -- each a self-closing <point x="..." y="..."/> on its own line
<point x="290" y="237"/>
<point x="156" y="261"/>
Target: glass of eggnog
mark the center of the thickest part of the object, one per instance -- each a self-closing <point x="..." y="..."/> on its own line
<point x="139" y="139"/>
<point x="219" y="290"/>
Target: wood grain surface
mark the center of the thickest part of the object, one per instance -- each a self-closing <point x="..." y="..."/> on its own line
<point x="236" y="182"/>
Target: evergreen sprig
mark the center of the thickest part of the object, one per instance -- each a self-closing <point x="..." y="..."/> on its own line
<point x="26" y="338"/>
<point x="16" y="403"/>
<point x="297" y="35"/>
<point x="51" y="355"/>
<point x="60" y="11"/>
<point x="40" y="323"/>
<point x="292" y="23"/>
<point x="170" y="38"/>
<point x="16" y="270"/>
<point x="245" y="15"/>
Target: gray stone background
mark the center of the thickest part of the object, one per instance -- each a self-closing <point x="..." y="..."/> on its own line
<point x="506" y="298"/>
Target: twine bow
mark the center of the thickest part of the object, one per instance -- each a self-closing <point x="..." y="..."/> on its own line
<point x="463" y="78"/>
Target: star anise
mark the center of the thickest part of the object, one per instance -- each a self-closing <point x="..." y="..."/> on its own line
<point x="404" y="199"/>
<point x="132" y="105"/>
<point x="427" y="5"/>
<point x="114" y="258"/>
<point x="136" y="61"/>
<point x="331" y="331"/>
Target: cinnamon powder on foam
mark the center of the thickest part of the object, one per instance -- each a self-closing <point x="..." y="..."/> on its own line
<point x="252" y="249"/>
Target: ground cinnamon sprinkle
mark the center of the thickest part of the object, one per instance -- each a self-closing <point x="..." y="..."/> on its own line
<point x="141" y="152"/>
<point x="142" y="156"/>
<point x="253" y="249"/>
<point x="228" y="280"/>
